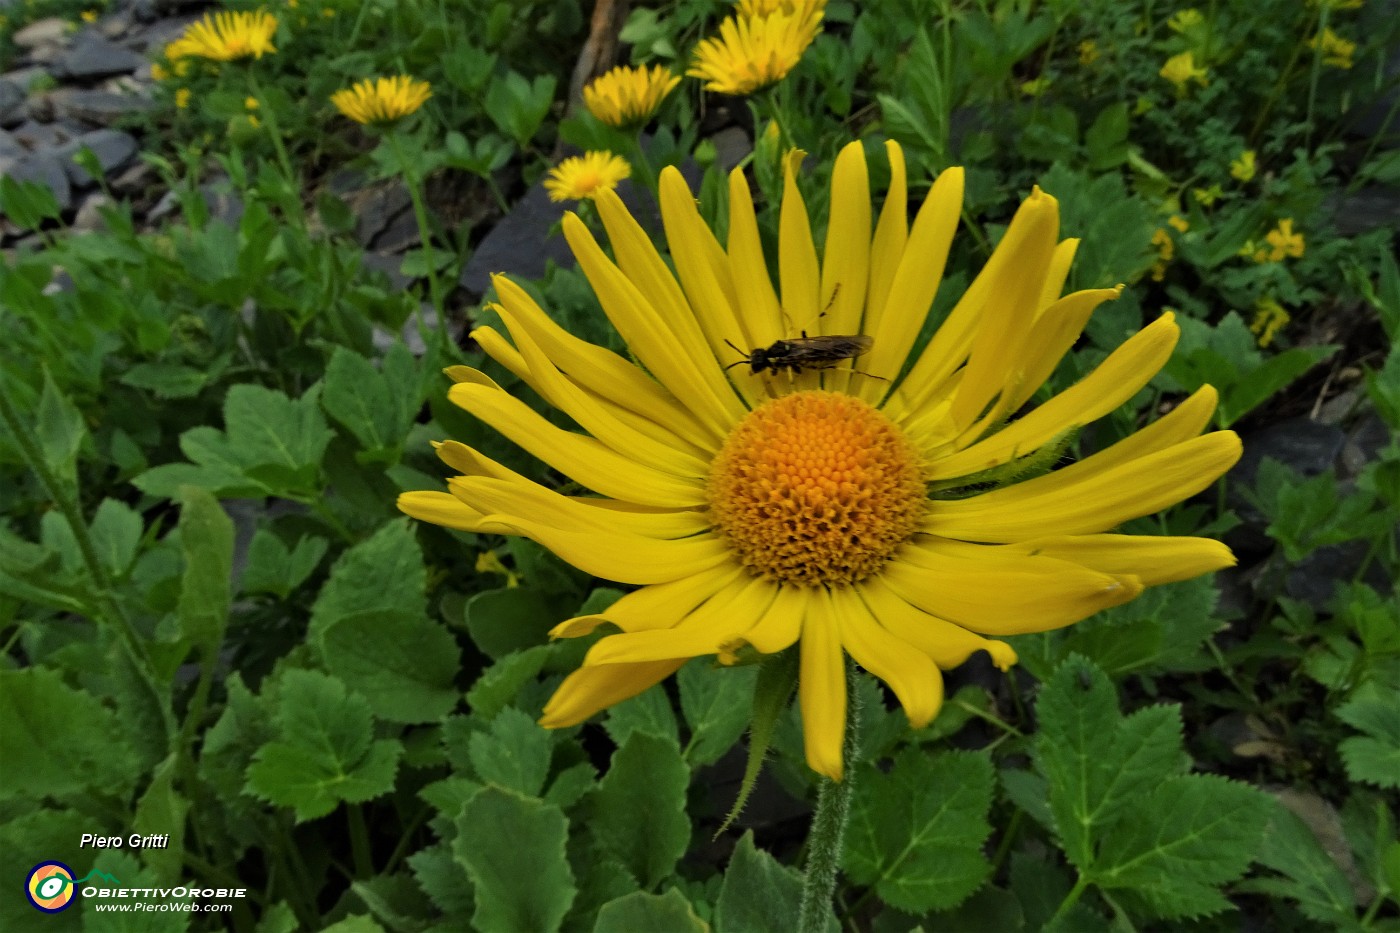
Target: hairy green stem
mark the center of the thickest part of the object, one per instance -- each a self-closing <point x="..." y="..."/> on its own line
<point x="1080" y="886"/>
<point x="425" y="235"/>
<point x="826" y="840"/>
<point x="275" y="131"/>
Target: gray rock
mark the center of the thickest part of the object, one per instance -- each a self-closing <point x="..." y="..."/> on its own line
<point x="23" y="78"/>
<point x="100" y="107"/>
<point x="134" y="180"/>
<point x="89" y="216"/>
<point x="10" y="151"/>
<point x="45" y="169"/>
<point x="401" y="234"/>
<point x="35" y="135"/>
<point x="732" y="144"/>
<point x="113" y="149"/>
<point x="1315" y="578"/>
<point x="92" y="57"/>
<point x="41" y="32"/>
<point x="11" y="104"/>
<point x="375" y="208"/>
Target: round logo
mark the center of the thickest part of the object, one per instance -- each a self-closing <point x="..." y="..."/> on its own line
<point x="50" y="887"/>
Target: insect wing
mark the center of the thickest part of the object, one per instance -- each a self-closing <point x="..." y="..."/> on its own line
<point x="820" y="352"/>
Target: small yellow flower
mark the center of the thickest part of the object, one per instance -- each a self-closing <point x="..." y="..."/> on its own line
<point x="89" y="16"/>
<point x="1184" y="20"/>
<point x="1088" y="52"/>
<point x="753" y="52"/>
<point x="182" y="98"/>
<point x="158" y="73"/>
<point x="1207" y="196"/>
<point x="1336" y="51"/>
<point x="1035" y="87"/>
<point x="253" y="121"/>
<point x="586" y="176"/>
<point x="382" y="100"/>
<point x="628" y="96"/>
<point x="1269" y="318"/>
<point x="1181" y="69"/>
<point x="328" y="13"/>
<point x="1181" y="224"/>
<point x="1166" y="249"/>
<point x="225" y="37"/>
<point x="1284" y="241"/>
<point x="250" y="103"/>
<point x="488" y="562"/>
<point x="1243" y="168"/>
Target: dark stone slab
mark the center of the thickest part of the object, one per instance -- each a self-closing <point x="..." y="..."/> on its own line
<point x="113" y="149"/>
<point x="102" y="108"/>
<point x="92" y="57"/>
<point x="46" y="169"/>
<point x="11" y="104"/>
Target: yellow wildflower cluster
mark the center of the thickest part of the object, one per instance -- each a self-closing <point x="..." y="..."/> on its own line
<point x="1269" y="318"/>
<point x="1184" y="20"/>
<point x="757" y="46"/>
<point x="1284" y="241"/>
<point x="1335" y="50"/>
<point x="586" y="176"/>
<point x="1243" y="168"/>
<point x="1088" y="52"/>
<point x="1181" y="69"/>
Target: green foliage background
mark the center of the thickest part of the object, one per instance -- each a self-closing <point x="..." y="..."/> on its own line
<point x="345" y="724"/>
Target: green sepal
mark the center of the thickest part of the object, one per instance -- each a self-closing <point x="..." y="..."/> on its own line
<point x="777" y="678"/>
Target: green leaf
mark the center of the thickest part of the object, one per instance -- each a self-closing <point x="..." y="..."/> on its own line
<point x="514" y="754"/>
<point x="512" y="848"/>
<point x="162" y="810"/>
<point x="649" y="712"/>
<point x="402" y="663"/>
<point x="759" y="893"/>
<point x="509" y="619"/>
<point x="1189" y="835"/>
<point x="359" y="397"/>
<point x="776" y="680"/>
<point x="501" y="682"/>
<point x="206" y="540"/>
<point x="168" y="380"/>
<point x="640" y="807"/>
<point x="1107" y="138"/>
<point x="1097" y="762"/>
<point x="27" y="203"/>
<point x="445" y="881"/>
<point x="57" y="742"/>
<point x="1310" y="876"/>
<point x="272" y="568"/>
<point x="383" y="572"/>
<point x="266" y="429"/>
<point x="717" y="703"/>
<point x="1375" y="756"/>
<point x="116" y="532"/>
<point x="641" y="911"/>
<point x="59" y="428"/>
<point x="327" y="754"/>
<point x="916" y="832"/>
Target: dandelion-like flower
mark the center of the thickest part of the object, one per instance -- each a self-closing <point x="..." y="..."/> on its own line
<point x="1185" y="20"/>
<point x="1181" y="69"/>
<point x="1269" y="318"/>
<point x="1088" y="52"/>
<point x="382" y="100"/>
<point x="1243" y="168"/>
<point x="1285" y="242"/>
<point x="586" y="176"/>
<point x="226" y="36"/>
<point x="847" y="510"/>
<point x="627" y="96"/>
<point x="755" y="51"/>
<point x="1336" y="51"/>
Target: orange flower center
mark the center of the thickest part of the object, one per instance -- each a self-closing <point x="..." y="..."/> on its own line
<point x="816" y="488"/>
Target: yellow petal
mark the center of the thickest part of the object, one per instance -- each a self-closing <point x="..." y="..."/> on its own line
<point x="779" y="627"/>
<point x="523" y="497"/>
<point x="759" y="322"/>
<point x="1058" y="272"/>
<point x="1154" y="560"/>
<point x="1052" y="335"/>
<point x="1114" y="381"/>
<point x="998" y="593"/>
<point x="1037" y="219"/>
<point x="622" y="557"/>
<point x="594" y="418"/>
<point x="585" y="459"/>
<point x="1087" y="502"/>
<point x="654" y="607"/>
<point x="1182" y="423"/>
<point x="724" y="617"/>
<point x="688" y="370"/>
<point x="948" y="645"/>
<point x="891" y="236"/>
<point x="599" y="370"/>
<point x="590" y="689"/>
<point x="446" y="510"/>
<point x="821" y="689"/>
<point x="798" y="273"/>
<point x="910" y="674"/>
<point x="914" y="283"/>
<point x="846" y="259"/>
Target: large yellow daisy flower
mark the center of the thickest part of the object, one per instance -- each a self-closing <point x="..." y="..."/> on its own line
<point x="226" y="36"/>
<point x="759" y="510"/>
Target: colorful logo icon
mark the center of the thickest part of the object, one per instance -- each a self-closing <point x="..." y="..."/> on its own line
<point x="50" y="887"/>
